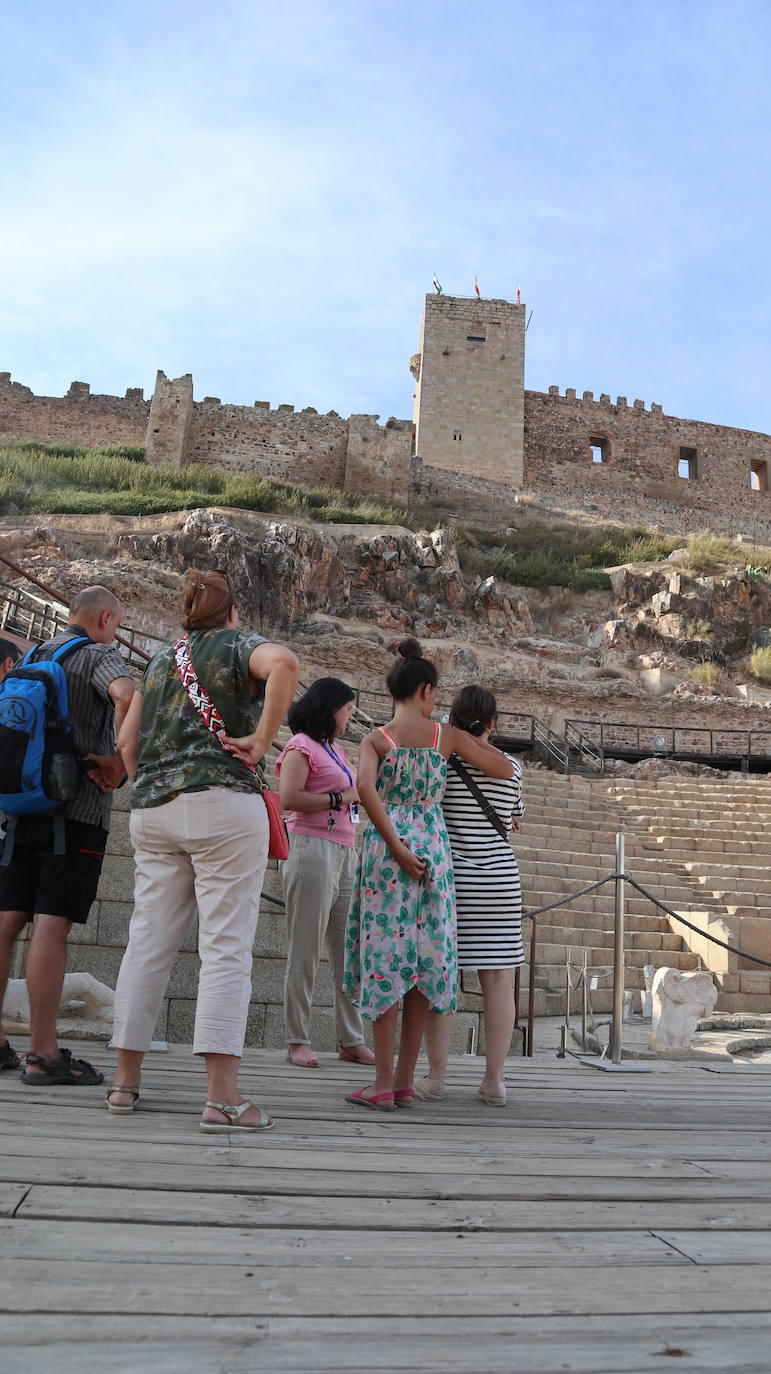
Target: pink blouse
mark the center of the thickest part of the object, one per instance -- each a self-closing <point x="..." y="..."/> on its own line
<point x="325" y="774"/>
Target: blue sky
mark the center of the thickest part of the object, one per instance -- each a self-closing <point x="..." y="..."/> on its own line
<point x="260" y="194"/>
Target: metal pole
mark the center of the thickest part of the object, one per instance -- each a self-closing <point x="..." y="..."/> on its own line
<point x="618" y="955"/>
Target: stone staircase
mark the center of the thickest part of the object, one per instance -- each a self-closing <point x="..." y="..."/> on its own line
<point x="701" y="847"/>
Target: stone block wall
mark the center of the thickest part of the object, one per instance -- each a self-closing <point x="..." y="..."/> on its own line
<point x="378" y="458"/>
<point x="293" y="446"/>
<point x="469" y="373"/>
<point x="641" y="451"/>
<point x="77" y="418"/>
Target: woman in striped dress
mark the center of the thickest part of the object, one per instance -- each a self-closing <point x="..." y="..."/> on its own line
<point x="489" y="900"/>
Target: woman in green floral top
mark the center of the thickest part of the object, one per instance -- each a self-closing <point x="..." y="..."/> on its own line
<point x="400" y="935"/>
<point x="200" y="833"/>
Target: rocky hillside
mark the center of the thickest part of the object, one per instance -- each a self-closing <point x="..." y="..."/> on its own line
<point x="340" y="593"/>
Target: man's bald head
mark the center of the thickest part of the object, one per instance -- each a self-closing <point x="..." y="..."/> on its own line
<point x="97" y="611"/>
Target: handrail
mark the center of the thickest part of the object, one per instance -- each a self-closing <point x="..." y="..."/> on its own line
<point x="550" y="743"/>
<point x="674" y="740"/>
<point x="584" y="747"/>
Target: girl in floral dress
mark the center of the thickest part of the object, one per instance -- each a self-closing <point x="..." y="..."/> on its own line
<point x="400" y="933"/>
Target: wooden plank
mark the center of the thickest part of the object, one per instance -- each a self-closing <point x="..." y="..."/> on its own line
<point x="266" y="1153"/>
<point x="408" y="1214"/>
<point x="721" y="1247"/>
<point x="125" y="1241"/>
<point x="200" y="1345"/>
<point x="11" y="1195"/>
<point x="234" y="1290"/>
<point x="221" y="1175"/>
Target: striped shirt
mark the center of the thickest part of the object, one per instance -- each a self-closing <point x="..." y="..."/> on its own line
<point x="89" y="671"/>
<point x="487" y="885"/>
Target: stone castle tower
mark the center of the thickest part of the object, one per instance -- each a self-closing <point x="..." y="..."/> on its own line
<point x="470" y="393"/>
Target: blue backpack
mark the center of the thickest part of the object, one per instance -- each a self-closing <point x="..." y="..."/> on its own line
<point x="40" y="768"/>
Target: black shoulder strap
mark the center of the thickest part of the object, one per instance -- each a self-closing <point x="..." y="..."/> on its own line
<point x="487" y="809"/>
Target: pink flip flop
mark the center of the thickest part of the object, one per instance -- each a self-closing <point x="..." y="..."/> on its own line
<point x="375" y="1104"/>
<point x="404" y="1097"/>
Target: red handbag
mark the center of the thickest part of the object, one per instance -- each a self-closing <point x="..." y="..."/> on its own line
<point x="278" y="839"/>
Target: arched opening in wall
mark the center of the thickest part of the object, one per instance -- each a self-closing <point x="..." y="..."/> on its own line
<point x="599" y="449"/>
<point x="687" y="464"/>
<point x="759" y="474"/>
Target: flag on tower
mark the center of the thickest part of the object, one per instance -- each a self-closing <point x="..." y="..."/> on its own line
<point x="476" y="287"/>
<point x="437" y="285"/>
<point x="518" y="300"/>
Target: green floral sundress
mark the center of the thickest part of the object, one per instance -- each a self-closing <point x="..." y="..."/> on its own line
<point x="400" y="932"/>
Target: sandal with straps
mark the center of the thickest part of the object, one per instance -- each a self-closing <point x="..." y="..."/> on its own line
<point x="234" y="1114"/>
<point x="61" y="1069"/>
<point x="132" y="1088"/>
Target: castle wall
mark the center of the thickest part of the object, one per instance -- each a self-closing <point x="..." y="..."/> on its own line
<point x="641" y="452"/>
<point x="378" y="458"/>
<point x="469" y="395"/>
<point x="294" y="446"/>
<point x="77" y="418"/>
<point x="168" y="428"/>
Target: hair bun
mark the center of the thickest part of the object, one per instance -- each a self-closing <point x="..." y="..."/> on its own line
<point x="409" y="648"/>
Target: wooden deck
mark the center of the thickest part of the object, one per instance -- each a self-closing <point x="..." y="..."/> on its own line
<point x="600" y="1223"/>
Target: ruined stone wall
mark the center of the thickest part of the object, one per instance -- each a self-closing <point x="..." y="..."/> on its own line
<point x="641" y="450"/>
<point x="77" y="418"/>
<point x="469" y="374"/>
<point x="295" y="446"/>
<point x="378" y="458"/>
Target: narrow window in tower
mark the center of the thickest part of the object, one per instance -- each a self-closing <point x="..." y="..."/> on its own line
<point x="687" y="465"/>
<point x="476" y="338"/>
<point x="759" y="474"/>
<point x="599" y="450"/>
<point x="457" y="436"/>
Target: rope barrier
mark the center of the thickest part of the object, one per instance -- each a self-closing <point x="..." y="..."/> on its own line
<point x="537" y="910"/>
<point x="732" y="949"/>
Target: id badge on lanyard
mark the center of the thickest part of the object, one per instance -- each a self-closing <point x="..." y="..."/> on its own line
<point x="353" y="807"/>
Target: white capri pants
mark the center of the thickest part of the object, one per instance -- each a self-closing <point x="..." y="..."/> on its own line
<point x="206" y="850"/>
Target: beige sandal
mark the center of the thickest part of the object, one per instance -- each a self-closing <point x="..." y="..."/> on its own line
<point x="234" y="1114"/>
<point x="132" y="1088"/>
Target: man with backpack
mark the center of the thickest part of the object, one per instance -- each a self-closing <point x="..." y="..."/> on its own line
<point x="9" y="657"/>
<point x="60" y="710"/>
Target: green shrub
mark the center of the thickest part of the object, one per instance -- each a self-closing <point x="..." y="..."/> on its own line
<point x="705" y="550"/>
<point x="705" y="674"/>
<point x="67" y="479"/>
<point x="759" y="665"/>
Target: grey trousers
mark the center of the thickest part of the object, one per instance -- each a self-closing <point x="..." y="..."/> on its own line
<point x="318" y="881"/>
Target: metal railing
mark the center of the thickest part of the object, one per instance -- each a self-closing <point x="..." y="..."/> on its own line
<point x="590" y="754"/>
<point x="673" y="741"/>
<point x="549" y="746"/>
<point x="619" y="878"/>
<point x="32" y="618"/>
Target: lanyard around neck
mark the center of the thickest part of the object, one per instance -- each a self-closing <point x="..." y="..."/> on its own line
<point x="329" y="750"/>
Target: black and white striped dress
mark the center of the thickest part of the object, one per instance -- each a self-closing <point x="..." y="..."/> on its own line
<point x="487" y="886"/>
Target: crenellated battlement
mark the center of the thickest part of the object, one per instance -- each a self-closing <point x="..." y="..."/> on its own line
<point x="603" y="399"/>
<point x="473" y="418"/>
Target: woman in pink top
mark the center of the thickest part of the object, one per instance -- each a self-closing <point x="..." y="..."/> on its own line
<point x="317" y="786"/>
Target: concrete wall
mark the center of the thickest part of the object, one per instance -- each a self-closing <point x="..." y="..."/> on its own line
<point x="469" y="394"/>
